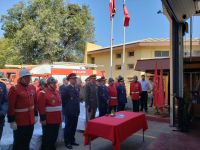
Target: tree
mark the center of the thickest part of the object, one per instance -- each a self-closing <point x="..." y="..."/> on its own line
<point x="48" y="30"/>
<point x="6" y="52"/>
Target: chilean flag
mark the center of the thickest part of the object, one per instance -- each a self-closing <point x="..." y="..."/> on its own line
<point x="112" y="6"/>
<point x="126" y="17"/>
<point x="156" y="87"/>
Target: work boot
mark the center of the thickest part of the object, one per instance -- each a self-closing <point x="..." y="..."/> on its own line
<point x="75" y="144"/>
<point x="69" y="146"/>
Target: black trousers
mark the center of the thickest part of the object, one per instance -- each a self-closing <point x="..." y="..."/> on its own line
<point x="135" y="105"/>
<point x="70" y="129"/>
<point x="90" y="113"/>
<point x="121" y="107"/>
<point x="1" y="131"/>
<point x="22" y="137"/>
<point x="112" y="108"/>
<point x="103" y="109"/>
<point x="49" y="136"/>
<point x="143" y="100"/>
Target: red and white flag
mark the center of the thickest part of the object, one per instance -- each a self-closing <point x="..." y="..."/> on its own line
<point x="155" y="87"/>
<point x="112" y="7"/>
<point x="126" y="17"/>
<point x="161" y="101"/>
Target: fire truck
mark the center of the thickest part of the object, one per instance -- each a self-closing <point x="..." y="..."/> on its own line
<point x="58" y="70"/>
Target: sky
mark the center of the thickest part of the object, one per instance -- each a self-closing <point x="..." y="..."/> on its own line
<point x="144" y="23"/>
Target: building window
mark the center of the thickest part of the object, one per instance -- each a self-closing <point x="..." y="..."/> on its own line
<point x="161" y="53"/>
<point x="131" y="54"/>
<point x="118" y="67"/>
<point x="118" y="55"/>
<point x="130" y="66"/>
<point x="195" y="53"/>
<point x="92" y="60"/>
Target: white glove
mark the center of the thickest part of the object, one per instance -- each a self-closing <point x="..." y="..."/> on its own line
<point x="36" y="119"/>
<point x="13" y="125"/>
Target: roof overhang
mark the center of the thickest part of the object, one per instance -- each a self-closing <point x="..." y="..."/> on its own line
<point x="148" y="65"/>
<point x="181" y="10"/>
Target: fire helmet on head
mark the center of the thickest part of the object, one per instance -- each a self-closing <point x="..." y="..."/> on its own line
<point x="24" y="72"/>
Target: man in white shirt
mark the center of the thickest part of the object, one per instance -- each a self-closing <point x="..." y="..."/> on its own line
<point x="144" y="95"/>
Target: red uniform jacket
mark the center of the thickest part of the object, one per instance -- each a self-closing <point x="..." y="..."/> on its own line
<point x="22" y="102"/>
<point x="49" y="106"/>
<point x="38" y="90"/>
<point x="135" y="90"/>
<point x="112" y="91"/>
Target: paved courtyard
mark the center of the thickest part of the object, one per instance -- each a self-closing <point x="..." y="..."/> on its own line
<point x="133" y="142"/>
<point x="159" y="136"/>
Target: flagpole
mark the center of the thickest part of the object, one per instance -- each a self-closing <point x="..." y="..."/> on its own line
<point x="123" y="57"/>
<point x="111" y="47"/>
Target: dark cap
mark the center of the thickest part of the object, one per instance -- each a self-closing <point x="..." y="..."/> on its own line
<point x="120" y="79"/>
<point x="51" y="80"/>
<point x="71" y="76"/>
<point x="110" y="80"/>
<point x="102" y="78"/>
<point x="93" y="76"/>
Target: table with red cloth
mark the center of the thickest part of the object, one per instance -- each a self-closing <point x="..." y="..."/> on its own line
<point x="115" y="129"/>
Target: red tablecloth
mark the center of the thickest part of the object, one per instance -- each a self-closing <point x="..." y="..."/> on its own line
<point x="115" y="129"/>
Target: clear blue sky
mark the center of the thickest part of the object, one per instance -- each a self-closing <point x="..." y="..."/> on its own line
<point x="145" y="22"/>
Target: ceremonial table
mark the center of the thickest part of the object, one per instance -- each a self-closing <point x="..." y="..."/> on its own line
<point x="115" y="128"/>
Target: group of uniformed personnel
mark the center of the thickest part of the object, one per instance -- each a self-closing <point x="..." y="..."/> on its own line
<point x="107" y="99"/>
<point x="114" y="97"/>
<point x="24" y="103"/>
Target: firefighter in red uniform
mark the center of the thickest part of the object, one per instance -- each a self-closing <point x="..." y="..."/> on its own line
<point x="112" y="92"/>
<point x="22" y="101"/>
<point x="50" y="109"/>
<point x="135" y="91"/>
<point x="42" y="85"/>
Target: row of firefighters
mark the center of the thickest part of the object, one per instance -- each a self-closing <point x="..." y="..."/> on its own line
<point x="25" y="103"/>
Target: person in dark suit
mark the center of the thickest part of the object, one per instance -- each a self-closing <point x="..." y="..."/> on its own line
<point x="71" y="106"/>
<point x="103" y="97"/>
<point x="121" y="95"/>
<point x="3" y="105"/>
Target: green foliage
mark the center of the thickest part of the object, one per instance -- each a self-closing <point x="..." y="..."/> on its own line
<point x="7" y="53"/>
<point x="48" y="30"/>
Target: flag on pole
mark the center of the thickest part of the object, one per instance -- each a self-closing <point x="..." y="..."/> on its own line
<point x="155" y="87"/>
<point x="112" y="8"/>
<point x="126" y="16"/>
<point x="161" y="101"/>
